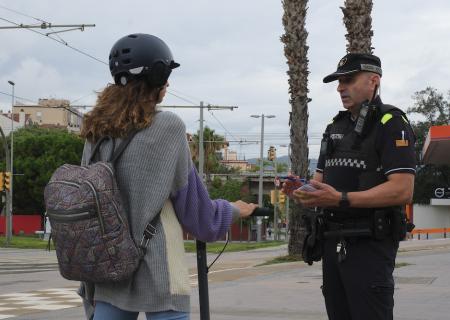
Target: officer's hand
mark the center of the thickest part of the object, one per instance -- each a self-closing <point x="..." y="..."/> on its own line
<point x="290" y="184"/>
<point x="245" y="209"/>
<point x="324" y="196"/>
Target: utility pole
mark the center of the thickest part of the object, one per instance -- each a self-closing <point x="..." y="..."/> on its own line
<point x="202" y="264"/>
<point x="276" y="205"/>
<point x="286" y="203"/>
<point x="261" y="173"/>
<point x="9" y="193"/>
<point x="7" y="200"/>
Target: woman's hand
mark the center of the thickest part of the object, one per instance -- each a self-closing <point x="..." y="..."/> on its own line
<point x="245" y="209"/>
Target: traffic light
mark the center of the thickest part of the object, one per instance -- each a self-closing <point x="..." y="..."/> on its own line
<point x="7" y="180"/>
<point x="271" y="155"/>
<point x="2" y="181"/>
<point x="281" y="197"/>
<point x="273" y="196"/>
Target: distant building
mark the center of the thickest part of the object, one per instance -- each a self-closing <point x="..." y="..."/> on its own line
<point x="20" y="120"/>
<point x="230" y="160"/>
<point x="53" y="113"/>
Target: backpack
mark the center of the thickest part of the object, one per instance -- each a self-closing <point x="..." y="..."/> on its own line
<point x="90" y="228"/>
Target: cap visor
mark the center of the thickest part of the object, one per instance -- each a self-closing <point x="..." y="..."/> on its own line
<point x="334" y="76"/>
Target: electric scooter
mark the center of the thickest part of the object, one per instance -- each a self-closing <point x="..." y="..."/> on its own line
<point x="203" y="268"/>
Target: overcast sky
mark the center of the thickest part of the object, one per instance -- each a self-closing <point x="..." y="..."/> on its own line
<point x="230" y="55"/>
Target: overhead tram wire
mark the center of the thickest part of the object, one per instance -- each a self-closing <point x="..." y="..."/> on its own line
<point x="226" y="130"/>
<point x="19" y="98"/>
<point x="28" y="16"/>
<point x="87" y="55"/>
<point x="63" y="42"/>
<point x="59" y="41"/>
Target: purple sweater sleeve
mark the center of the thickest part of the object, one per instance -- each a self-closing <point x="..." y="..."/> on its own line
<point x="205" y="219"/>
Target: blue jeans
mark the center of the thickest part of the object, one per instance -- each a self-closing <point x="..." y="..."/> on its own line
<point x="106" y="311"/>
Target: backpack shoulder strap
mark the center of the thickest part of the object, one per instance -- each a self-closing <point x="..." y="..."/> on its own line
<point x="149" y="232"/>
<point x="95" y="150"/>
<point x="117" y="153"/>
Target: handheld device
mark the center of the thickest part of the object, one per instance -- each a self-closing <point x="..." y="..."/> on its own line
<point x="307" y="187"/>
<point x="292" y="178"/>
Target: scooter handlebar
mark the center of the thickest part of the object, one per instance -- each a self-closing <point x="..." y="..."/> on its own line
<point x="262" y="212"/>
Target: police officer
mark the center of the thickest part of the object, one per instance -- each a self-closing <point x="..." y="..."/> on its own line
<point x="364" y="176"/>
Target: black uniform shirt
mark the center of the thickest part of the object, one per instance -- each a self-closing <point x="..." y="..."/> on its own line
<point x="394" y="144"/>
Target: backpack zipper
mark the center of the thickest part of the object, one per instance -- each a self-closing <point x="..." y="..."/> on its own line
<point x="113" y="202"/>
<point x="70" y="215"/>
<point x="97" y="202"/>
<point x="73" y="184"/>
<point x="106" y="166"/>
<point x="118" y="214"/>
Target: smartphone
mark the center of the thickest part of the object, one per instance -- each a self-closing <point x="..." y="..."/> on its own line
<point x="293" y="179"/>
<point x="307" y="187"/>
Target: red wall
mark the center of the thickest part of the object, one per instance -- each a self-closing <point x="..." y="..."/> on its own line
<point x="27" y="223"/>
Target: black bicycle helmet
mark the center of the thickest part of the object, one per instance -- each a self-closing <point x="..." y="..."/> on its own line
<point x="141" y="55"/>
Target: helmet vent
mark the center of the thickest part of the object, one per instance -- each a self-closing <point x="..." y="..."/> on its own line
<point x="133" y="36"/>
<point x="126" y="50"/>
<point x="126" y="61"/>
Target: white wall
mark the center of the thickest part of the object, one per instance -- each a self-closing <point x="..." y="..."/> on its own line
<point x="5" y="123"/>
<point x="428" y="216"/>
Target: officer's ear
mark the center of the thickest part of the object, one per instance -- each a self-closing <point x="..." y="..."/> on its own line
<point x="374" y="80"/>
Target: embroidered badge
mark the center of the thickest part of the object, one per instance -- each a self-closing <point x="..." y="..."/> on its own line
<point x="403" y="142"/>
<point x="342" y="62"/>
<point x="336" y="136"/>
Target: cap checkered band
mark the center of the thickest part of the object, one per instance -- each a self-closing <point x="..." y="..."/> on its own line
<point x="371" y="68"/>
<point x="343" y="162"/>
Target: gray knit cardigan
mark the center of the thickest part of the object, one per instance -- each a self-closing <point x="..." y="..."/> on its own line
<point x="155" y="171"/>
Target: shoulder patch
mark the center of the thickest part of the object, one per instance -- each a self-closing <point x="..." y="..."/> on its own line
<point x="386" y="118"/>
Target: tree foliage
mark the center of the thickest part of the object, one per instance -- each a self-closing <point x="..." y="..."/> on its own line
<point x="435" y="110"/>
<point x="212" y="144"/>
<point x="230" y="190"/>
<point x="37" y="154"/>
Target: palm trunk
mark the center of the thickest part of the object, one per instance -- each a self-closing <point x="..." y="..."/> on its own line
<point x="295" y="50"/>
<point x="358" y="22"/>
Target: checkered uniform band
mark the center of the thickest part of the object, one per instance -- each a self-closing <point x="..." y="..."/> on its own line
<point x="345" y="162"/>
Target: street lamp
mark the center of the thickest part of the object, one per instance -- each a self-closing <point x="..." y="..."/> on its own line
<point x="261" y="169"/>
<point x="10" y="202"/>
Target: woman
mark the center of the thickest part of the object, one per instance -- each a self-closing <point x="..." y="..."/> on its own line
<point x="155" y="171"/>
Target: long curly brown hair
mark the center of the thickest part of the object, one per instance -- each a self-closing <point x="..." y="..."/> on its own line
<point x="120" y="109"/>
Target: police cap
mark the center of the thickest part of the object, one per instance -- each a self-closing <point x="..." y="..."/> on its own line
<point x="355" y="62"/>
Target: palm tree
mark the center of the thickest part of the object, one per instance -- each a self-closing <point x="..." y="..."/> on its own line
<point x="212" y="144"/>
<point x="295" y="50"/>
<point x="358" y="22"/>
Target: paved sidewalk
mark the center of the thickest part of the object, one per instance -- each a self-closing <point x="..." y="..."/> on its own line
<point x="293" y="291"/>
<point x="240" y="291"/>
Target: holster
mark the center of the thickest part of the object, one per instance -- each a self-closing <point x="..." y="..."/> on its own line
<point x="381" y="224"/>
<point x="313" y="242"/>
<point x="397" y="218"/>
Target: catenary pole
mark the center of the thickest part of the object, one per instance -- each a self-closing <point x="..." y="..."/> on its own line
<point x="9" y="208"/>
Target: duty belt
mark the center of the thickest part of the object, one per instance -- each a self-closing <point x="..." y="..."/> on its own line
<point x="352" y="229"/>
<point x="377" y="227"/>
